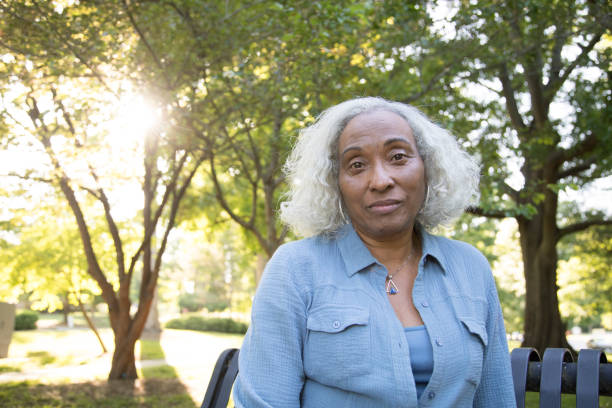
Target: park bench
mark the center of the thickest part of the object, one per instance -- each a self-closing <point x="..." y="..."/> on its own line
<point x="551" y="376"/>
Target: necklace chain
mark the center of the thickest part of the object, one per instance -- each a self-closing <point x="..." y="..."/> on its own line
<point x="390" y="286"/>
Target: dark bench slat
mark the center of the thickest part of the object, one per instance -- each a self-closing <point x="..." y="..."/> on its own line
<point x="520" y="359"/>
<point x="587" y="383"/>
<point x="552" y="373"/>
<point x="222" y="380"/>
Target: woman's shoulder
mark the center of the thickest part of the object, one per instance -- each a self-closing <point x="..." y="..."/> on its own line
<point x="304" y="248"/>
<point x="461" y="249"/>
<point x="462" y="260"/>
<point x="299" y="260"/>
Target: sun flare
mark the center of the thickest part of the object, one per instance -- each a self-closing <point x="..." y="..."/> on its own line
<point x="135" y="117"/>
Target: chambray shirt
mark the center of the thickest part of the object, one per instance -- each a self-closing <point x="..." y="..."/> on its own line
<point x="323" y="333"/>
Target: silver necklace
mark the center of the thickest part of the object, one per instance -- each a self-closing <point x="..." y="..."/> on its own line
<point x="390" y="286"/>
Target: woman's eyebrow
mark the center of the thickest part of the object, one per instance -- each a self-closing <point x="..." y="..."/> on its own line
<point x="348" y="149"/>
<point x="396" y="139"/>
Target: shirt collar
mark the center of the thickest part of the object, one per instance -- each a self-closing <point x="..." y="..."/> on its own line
<point x="431" y="248"/>
<point x="357" y="256"/>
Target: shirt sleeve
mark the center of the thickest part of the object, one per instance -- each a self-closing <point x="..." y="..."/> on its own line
<point x="496" y="386"/>
<point x="270" y="363"/>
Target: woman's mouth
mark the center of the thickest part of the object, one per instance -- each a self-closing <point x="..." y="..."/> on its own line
<point x="383" y="207"/>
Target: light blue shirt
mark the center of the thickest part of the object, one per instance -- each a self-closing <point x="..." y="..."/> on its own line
<point x="323" y="333"/>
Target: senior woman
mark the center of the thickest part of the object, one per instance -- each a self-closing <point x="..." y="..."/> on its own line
<point x="371" y="309"/>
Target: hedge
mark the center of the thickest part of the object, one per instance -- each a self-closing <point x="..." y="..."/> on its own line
<point x="26" y="320"/>
<point x="201" y="323"/>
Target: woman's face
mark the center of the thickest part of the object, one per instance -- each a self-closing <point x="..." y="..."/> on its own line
<point x="381" y="175"/>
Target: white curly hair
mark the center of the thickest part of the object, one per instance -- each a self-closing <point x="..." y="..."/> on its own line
<point x="314" y="203"/>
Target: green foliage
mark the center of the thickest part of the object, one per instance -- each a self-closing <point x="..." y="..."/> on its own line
<point x="47" y="264"/>
<point x="194" y="303"/>
<point x="584" y="277"/>
<point x="201" y="323"/>
<point x="190" y="302"/>
<point x="26" y="320"/>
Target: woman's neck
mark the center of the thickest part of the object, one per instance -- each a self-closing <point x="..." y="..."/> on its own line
<point x="393" y="253"/>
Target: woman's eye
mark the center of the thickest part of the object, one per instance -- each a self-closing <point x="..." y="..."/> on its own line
<point x="356" y="165"/>
<point x="398" y="156"/>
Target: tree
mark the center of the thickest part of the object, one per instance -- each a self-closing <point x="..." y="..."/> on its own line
<point x="251" y="75"/>
<point x="47" y="263"/>
<point x="586" y="285"/>
<point x="284" y="70"/>
<point x="542" y="59"/>
<point x="58" y="84"/>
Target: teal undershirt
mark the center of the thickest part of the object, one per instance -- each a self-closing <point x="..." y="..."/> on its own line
<point x="421" y="356"/>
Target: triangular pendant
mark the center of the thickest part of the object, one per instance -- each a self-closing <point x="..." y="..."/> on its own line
<point x="390" y="286"/>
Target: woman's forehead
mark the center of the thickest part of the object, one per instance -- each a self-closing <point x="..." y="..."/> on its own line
<point x="377" y="126"/>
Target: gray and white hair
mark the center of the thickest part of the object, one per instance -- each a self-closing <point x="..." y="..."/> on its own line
<point x="314" y="203"/>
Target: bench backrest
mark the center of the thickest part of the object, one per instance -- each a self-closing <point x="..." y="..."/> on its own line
<point x="552" y="376"/>
<point x="558" y="374"/>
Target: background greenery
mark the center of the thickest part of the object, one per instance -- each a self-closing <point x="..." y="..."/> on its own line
<point x="143" y="143"/>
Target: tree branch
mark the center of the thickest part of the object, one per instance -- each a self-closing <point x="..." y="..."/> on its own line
<point x="577" y="169"/>
<point x="148" y="46"/>
<point x="581" y="226"/>
<point x="93" y="267"/>
<point x="554" y="84"/>
<point x="560" y="156"/>
<point x="511" y="105"/>
<point x="481" y="212"/>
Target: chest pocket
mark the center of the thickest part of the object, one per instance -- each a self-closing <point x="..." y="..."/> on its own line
<point x="476" y="347"/>
<point x="338" y="343"/>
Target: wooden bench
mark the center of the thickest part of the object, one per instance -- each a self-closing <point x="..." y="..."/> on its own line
<point x="551" y="376"/>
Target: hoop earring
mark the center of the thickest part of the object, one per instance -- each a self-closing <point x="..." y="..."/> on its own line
<point x="425" y="201"/>
<point x="341" y="211"/>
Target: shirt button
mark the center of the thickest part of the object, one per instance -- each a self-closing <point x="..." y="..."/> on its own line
<point x="424" y="303"/>
<point x="431" y="395"/>
<point x="336" y="324"/>
<point x="439" y="342"/>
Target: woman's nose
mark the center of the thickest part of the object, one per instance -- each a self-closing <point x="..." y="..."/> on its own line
<point x="380" y="178"/>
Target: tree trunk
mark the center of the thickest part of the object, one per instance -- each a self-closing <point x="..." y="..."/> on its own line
<point x="543" y="325"/>
<point x="123" y="366"/>
<point x="262" y="259"/>
<point x="152" y="323"/>
<point x="65" y="310"/>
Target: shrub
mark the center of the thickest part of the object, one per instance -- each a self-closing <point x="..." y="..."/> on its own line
<point x="201" y="323"/>
<point x="216" y="305"/>
<point x="190" y="302"/>
<point x="26" y="320"/>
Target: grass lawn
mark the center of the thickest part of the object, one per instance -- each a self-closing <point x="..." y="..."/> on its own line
<point x="532" y="400"/>
<point x="141" y="393"/>
<point x="66" y="368"/>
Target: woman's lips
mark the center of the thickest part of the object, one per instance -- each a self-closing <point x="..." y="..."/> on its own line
<point x="384" y="206"/>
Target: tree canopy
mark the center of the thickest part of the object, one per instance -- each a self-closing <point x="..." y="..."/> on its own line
<point x="161" y="111"/>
